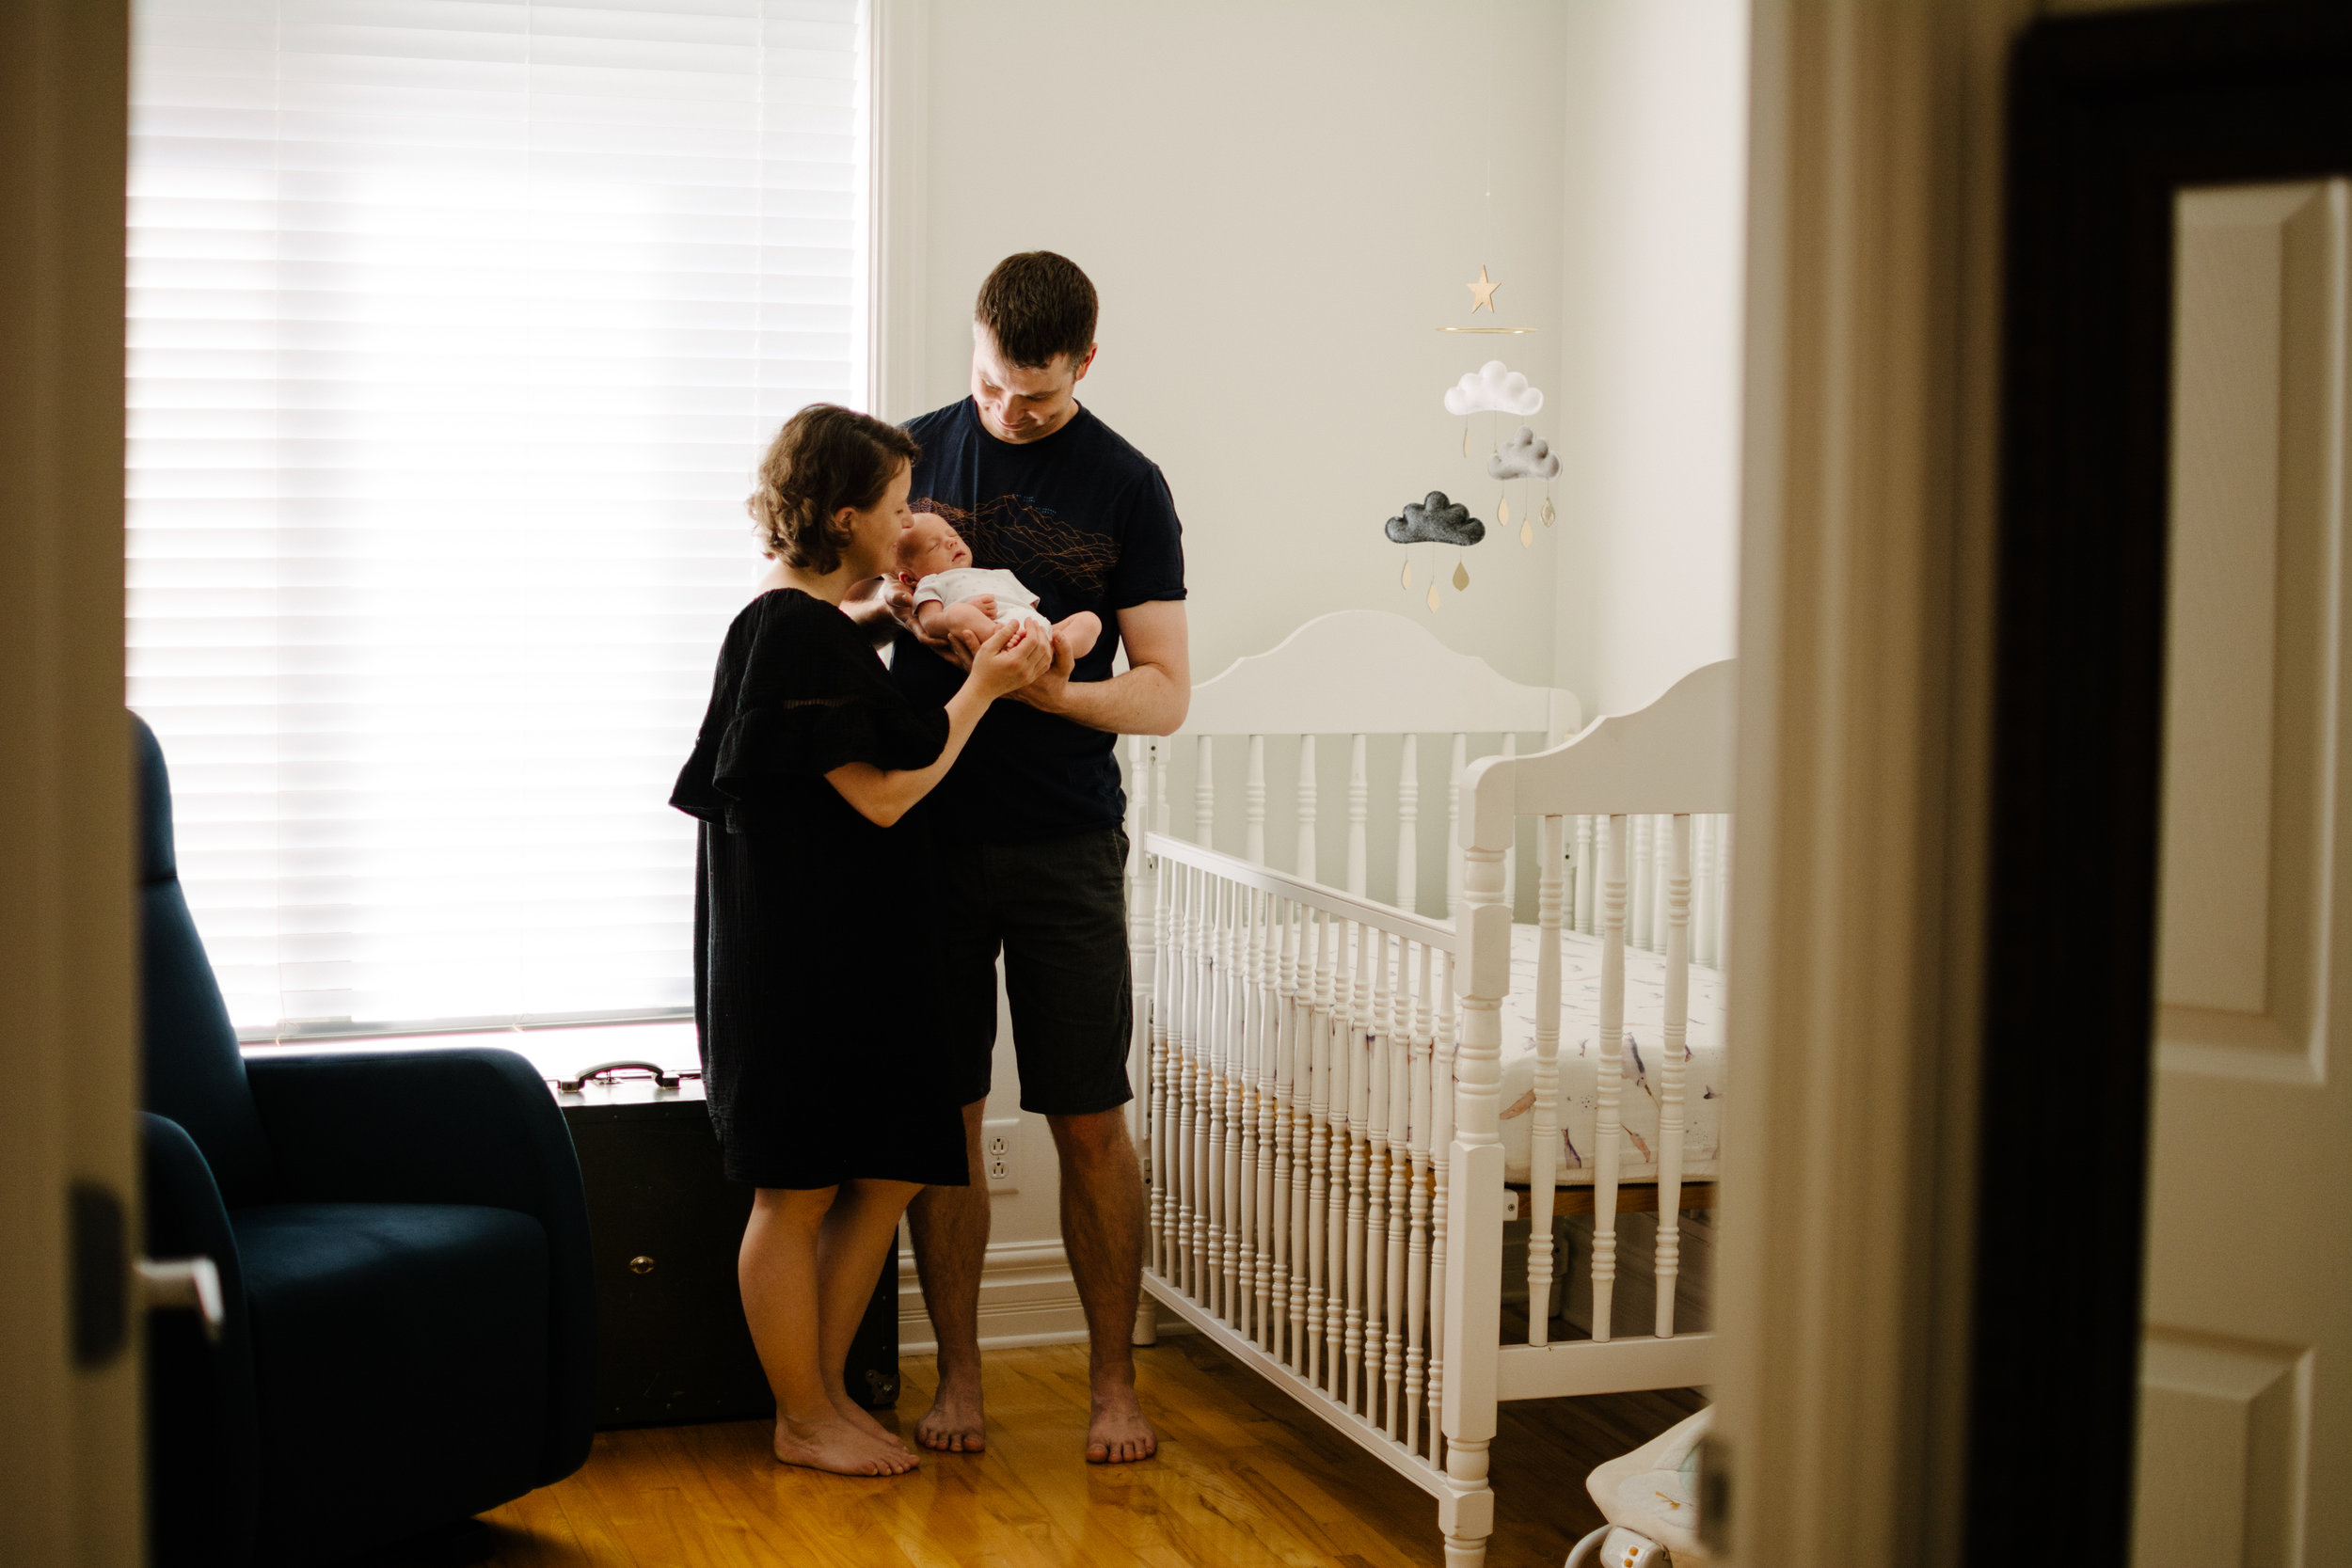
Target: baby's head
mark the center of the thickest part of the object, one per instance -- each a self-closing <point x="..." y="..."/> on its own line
<point x="930" y="544"/>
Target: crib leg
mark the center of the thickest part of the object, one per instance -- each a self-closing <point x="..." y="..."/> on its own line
<point x="1147" y="1330"/>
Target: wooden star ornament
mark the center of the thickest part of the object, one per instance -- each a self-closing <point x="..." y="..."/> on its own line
<point x="1482" y="291"/>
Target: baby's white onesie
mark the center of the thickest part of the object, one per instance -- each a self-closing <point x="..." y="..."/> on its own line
<point x="959" y="583"/>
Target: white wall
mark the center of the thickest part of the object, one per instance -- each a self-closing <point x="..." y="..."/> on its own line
<point x="1654" y="209"/>
<point x="1280" y="204"/>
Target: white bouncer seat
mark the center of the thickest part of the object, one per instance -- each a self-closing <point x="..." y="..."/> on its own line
<point x="1651" y="1501"/>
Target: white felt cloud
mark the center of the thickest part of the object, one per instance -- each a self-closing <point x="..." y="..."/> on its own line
<point x="1523" y="456"/>
<point x="1494" y="387"/>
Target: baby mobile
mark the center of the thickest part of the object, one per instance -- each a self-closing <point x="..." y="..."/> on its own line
<point x="1493" y="389"/>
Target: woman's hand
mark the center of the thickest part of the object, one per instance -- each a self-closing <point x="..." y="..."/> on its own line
<point x="1009" y="661"/>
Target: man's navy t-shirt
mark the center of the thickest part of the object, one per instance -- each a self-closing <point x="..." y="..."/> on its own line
<point x="1085" y="522"/>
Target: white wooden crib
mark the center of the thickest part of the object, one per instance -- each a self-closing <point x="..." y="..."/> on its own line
<point x="1319" y="1203"/>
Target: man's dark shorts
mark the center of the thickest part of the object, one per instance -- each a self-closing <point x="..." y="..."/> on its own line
<point x="1058" y="909"/>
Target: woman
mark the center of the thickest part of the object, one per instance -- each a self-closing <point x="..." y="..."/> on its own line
<point x="815" y="1048"/>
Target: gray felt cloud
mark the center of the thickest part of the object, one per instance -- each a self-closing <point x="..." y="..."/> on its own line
<point x="1435" y="520"/>
<point x="1523" y="456"/>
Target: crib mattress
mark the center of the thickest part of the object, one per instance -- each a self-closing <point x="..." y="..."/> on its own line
<point x="1580" y="1062"/>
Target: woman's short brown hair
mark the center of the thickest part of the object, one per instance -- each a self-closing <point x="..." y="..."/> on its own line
<point x="825" y="458"/>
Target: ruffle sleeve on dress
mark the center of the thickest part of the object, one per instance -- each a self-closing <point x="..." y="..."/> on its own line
<point x="799" y="737"/>
<point x="798" y="694"/>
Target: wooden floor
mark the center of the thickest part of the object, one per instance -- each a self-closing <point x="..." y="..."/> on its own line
<point x="1244" y="1477"/>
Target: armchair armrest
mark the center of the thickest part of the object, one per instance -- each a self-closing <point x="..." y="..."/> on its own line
<point x="203" y="1443"/>
<point x="462" y="1126"/>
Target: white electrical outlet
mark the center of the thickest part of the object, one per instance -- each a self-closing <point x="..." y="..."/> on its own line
<point x="1000" y="1154"/>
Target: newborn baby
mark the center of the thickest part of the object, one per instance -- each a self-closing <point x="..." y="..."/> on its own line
<point x="951" y="594"/>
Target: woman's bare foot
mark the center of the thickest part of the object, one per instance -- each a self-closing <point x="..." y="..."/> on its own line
<point x="866" y="1422"/>
<point x="837" y="1446"/>
<point x="953" y="1424"/>
<point x="1119" y="1435"/>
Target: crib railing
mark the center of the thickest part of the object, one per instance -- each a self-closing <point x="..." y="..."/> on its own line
<point x="1309" y="1201"/>
<point x="1646" y="857"/>
<point x="1293" y="1134"/>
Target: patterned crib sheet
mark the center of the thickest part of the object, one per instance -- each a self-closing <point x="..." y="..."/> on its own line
<point x="1580" y="1062"/>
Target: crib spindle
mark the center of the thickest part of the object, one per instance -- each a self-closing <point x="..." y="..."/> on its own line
<point x="1187" y="980"/>
<point x="1702" y="860"/>
<point x="1160" y="751"/>
<point x="1162" y="970"/>
<point x="1417" y="1266"/>
<point x="1224" y="967"/>
<point x="1205" y="793"/>
<point x="1335" y="1235"/>
<point x="1283" y="1323"/>
<point x="1253" y="798"/>
<point x="1396" y="1047"/>
<point x="1358" y="809"/>
<point x="1670" y="1124"/>
<point x="1408" y="826"/>
<point x="1375" y="1162"/>
<point x="1637" y="883"/>
<point x="1587" y="874"/>
<point x="1235" y="1076"/>
<point x="1543" y="1166"/>
<point x="1511" y="856"/>
<point x="1242" y="1145"/>
<point x="1358" y="1105"/>
<point x="1440" y="1214"/>
<point x="1319" y="1158"/>
<point x="1264" y="1228"/>
<point x="1459" y="761"/>
<point x="1205" y="1106"/>
<point x="1611" y="1074"/>
<point x="1307" y="807"/>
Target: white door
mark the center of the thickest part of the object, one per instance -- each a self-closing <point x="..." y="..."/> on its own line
<point x="2246" y="1425"/>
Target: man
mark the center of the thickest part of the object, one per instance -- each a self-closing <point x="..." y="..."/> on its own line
<point x="1033" y="813"/>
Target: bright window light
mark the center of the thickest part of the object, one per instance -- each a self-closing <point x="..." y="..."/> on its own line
<point x="456" y="327"/>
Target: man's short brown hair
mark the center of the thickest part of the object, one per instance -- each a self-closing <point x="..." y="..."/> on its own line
<point x="1037" y="305"/>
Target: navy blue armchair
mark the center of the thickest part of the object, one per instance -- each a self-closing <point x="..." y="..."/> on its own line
<point x="402" y="1246"/>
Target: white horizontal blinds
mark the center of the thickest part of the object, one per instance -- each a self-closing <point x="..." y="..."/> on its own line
<point x="456" y="328"/>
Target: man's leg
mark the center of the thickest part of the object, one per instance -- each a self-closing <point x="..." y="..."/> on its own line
<point x="950" y="1227"/>
<point x="1101" y="1228"/>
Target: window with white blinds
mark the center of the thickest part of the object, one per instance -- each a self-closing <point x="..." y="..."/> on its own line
<point x="456" y="329"/>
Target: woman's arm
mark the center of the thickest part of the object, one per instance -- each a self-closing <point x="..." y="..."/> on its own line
<point x="1005" y="662"/>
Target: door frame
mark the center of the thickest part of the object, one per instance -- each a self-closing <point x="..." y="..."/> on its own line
<point x="69" y="1453"/>
<point x="2109" y="116"/>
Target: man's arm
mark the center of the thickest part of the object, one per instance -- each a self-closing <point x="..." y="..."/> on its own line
<point x="1150" y="697"/>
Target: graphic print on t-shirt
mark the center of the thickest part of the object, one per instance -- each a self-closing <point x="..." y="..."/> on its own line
<point x="1015" y="534"/>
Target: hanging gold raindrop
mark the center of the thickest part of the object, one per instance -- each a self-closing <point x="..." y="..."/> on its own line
<point x="1527" y="533"/>
<point x="1407" y="581"/>
<point x="1433" y="596"/>
<point x="1461" y="578"/>
<point x="1503" y="513"/>
<point x="1465" y="438"/>
<point x="1547" y="513"/>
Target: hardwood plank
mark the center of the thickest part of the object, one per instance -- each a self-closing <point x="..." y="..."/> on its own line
<point x="1245" y="1477"/>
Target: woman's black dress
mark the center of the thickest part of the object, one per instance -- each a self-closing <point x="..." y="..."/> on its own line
<point x="815" y="1017"/>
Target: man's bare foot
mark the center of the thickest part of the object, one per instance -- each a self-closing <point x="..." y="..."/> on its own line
<point x="866" y="1422"/>
<point x="1119" y="1435"/>
<point x="840" y="1448"/>
<point x="953" y="1424"/>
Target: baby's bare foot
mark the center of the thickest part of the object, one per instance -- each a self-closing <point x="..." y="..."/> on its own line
<point x="953" y="1424"/>
<point x="837" y="1446"/>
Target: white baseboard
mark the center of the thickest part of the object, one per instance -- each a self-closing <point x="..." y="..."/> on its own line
<point x="1027" y="1297"/>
